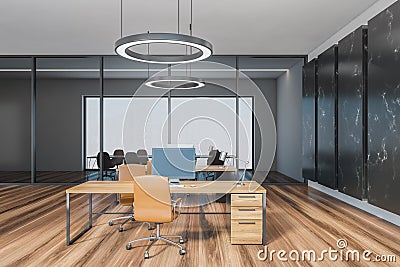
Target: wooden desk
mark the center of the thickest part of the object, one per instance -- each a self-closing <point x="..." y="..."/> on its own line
<point x="215" y="168"/>
<point x="248" y="205"/>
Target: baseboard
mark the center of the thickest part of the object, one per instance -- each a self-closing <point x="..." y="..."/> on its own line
<point x="362" y="205"/>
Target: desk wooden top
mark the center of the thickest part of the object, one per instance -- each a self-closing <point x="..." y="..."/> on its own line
<point x="215" y="168"/>
<point x="192" y="187"/>
<point x="218" y="187"/>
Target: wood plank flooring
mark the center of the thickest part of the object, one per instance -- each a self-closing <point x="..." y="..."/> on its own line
<point x="32" y="231"/>
<point x="46" y="176"/>
<point x="278" y="178"/>
<point x="82" y="176"/>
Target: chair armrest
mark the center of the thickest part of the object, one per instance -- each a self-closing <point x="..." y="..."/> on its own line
<point x="177" y="203"/>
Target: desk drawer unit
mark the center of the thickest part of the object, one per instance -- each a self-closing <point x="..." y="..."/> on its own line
<point x="243" y="213"/>
<point x="246" y="200"/>
<point x="246" y="219"/>
<point x="246" y="232"/>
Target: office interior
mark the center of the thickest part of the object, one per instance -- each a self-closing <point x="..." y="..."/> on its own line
<point x="306" y="122"/>
<point x="128" y="109"/>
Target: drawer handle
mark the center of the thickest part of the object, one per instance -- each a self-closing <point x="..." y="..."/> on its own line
<point x="247" y="209"/>
<point x="247" y="196"/>
<point x="247" y="223"/>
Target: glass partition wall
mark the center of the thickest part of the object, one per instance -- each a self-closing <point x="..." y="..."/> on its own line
<point x="269" y="74"/>
<point x="66" y="110"/>
<point x="61" y="86"/>
<point x="15" y="120"/>
<point x="134" y="114"/>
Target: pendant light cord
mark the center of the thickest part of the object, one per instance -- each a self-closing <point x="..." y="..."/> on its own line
<point x="191" y="18"/>
<point x="191" y="30"/>
<point x="121" y="19"/>
<point x="178" y="15"/>
<point x="148" y="64"/>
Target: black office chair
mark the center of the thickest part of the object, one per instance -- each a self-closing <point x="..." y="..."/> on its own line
<point x="131" y="158"/>
<point x="142" y="155"/>
<point x="108" y="164"/>
<point x="119" y="159"/>
<point x="214" y="159"/>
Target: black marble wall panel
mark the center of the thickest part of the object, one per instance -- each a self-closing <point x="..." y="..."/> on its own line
<point x="309" y="114"/>
<point x="384" y="109"/>
<point x="326" y="118"/>
<point x="351" y="88"/>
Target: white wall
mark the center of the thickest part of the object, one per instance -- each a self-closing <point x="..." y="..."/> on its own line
<point x="289" y="119"/>
<point x="354" y="24"/>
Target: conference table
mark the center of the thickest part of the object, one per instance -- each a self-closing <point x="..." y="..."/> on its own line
<point x="91" y="160"/>
<point x="246" y="194"/>
<point x="215" y="168"/>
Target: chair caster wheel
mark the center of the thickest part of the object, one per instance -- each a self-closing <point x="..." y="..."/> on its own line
<point x="181" y="241"/>
<point x="128" y="247"/>
<point x="120" y="229"/>
<point x="146" y="255"/>
<point x="182" y="252"/>
<point x="110" y="223"/>
<point x="150" y="228"/>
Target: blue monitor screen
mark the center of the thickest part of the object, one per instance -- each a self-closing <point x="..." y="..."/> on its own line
<point x="174" y="163"/>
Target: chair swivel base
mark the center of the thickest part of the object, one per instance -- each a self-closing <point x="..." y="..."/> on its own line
<point x="154" y="238"/>
<point x="127" y="219"/>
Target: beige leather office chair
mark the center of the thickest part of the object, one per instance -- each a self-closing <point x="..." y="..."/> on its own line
<point x="153" y="204"/>
<point x="149" y="167"/>
<point x="126" y="173"/>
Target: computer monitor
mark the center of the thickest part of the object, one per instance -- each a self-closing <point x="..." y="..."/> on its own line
<point x="174" y="163"/>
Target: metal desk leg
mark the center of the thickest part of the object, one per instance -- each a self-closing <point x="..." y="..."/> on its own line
<point x="228" y="205"/>
<point x="264" y="201"/>
<point x="68" y="221"/>
<point x="90" y="210"/>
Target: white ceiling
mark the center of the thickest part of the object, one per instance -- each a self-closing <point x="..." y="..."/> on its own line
<point x="233" y="27"/>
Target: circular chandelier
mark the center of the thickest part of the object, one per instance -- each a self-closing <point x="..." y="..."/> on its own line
<point x="204" y="49"/>
<point x="175" y="82"/>
<point x="123" y="45"/>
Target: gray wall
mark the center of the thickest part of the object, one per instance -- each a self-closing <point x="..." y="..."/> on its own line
<point x="15" y="121"/>
<point x="59" y="122"/>
<point x="268" y="88"/>
<point x="289" y="123"/>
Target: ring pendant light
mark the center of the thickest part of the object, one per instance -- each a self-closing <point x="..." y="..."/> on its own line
<point x="124" y="44"/>
<point x="170" y="82"/>
<point x="175" y="82"/>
